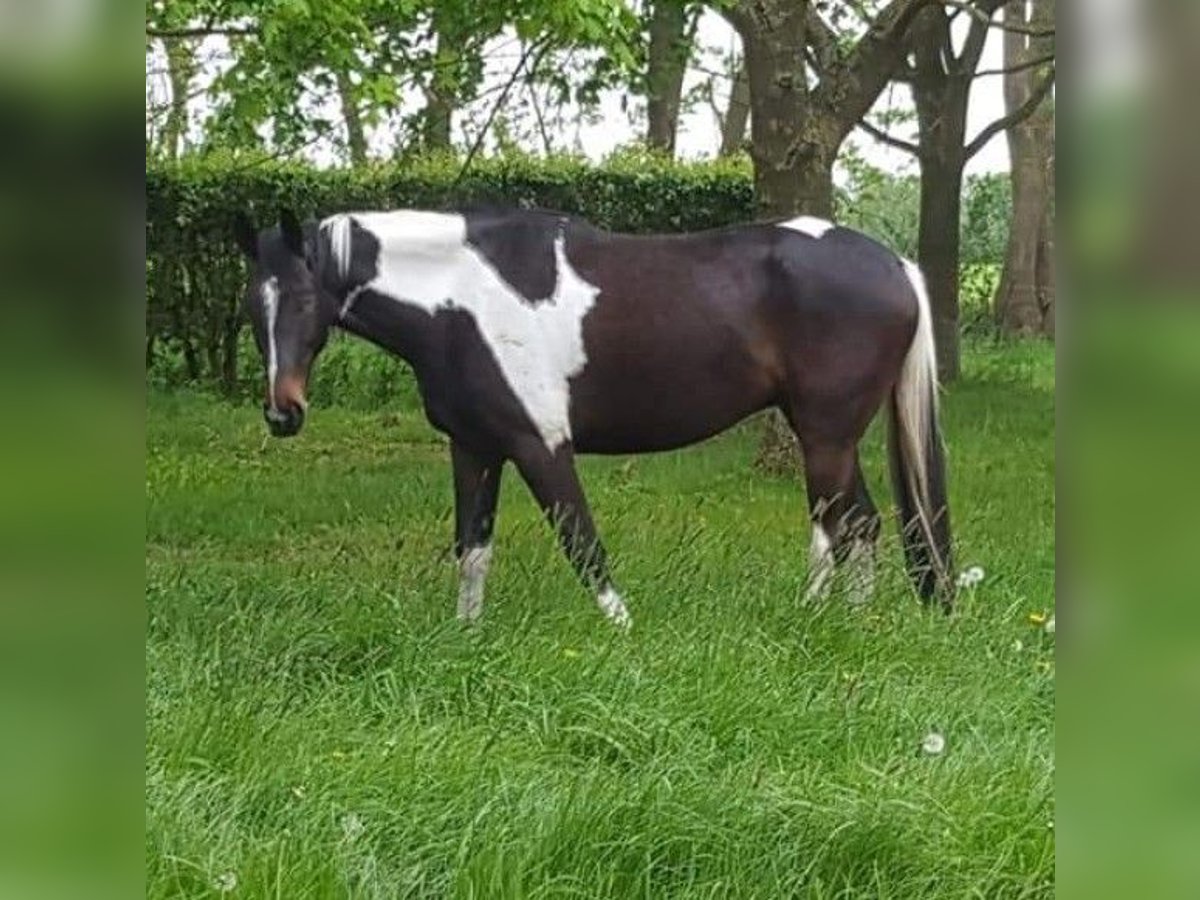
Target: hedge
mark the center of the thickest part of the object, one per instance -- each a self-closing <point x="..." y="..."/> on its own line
<point x="196" y="275"/>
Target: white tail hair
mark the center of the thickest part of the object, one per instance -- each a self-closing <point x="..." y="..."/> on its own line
<point x="916" y="399"/>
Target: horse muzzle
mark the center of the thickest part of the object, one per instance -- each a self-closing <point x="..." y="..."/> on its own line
<point x="284" y="421"/>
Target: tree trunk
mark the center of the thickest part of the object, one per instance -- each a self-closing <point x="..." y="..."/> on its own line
<point x="1025" y="299"/>
<point x="793" y="159"/>
<point x="181" y="69"/>
<point x="668" y="55"/>
<point x="737" y="115"/>
<point x="938" y="255"/>
<point x="940" y="92"/>
<point x="441" y="93"/>
<point x="1168" y="220"/>
<point x="356" y="138"/>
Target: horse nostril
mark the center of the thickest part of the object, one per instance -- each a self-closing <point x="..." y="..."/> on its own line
<point x="283" y="422"/>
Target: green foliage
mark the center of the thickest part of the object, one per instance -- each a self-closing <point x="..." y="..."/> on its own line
<point x="880" y="204"/>
<point x="987" y="208"/>
<point x="288" y="52"/>
<point x="196" y="275"/>
<point x="317" y="725"/>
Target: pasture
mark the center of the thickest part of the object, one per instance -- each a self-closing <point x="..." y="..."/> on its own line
<point x="318" y="725"/>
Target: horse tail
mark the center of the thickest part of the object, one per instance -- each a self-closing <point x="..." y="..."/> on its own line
<point x="917" y="460"/>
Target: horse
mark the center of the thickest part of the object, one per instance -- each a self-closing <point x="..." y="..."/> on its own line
<point x="535" y="336"/>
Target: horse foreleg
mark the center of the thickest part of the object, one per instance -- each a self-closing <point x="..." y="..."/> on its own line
<point x="476" y="490"/>
<point x="555" y="485"/>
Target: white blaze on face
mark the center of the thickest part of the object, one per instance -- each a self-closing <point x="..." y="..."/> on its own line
<point x="472" y="572"/>
<point x="270" y="301"/>
<point x="809" y="225"/>
<point x="425" y="261"/>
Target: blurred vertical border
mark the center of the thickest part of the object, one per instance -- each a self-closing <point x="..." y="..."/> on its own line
<point x="1129" y="435"/>
<point x="71" y="451"/>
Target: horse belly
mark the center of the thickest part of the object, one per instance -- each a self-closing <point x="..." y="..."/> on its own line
<point x="632" y="408"/>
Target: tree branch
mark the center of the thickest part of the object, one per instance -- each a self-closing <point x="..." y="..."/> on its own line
<point x="541" y="48"/>
<point x="870" y="64"/>
<point x="822" y="40"/>
<point x="884" y="138"/>
<point x="1019" y="67"/>
<point x="201" y="31"/>
<point x="976" y="13"/>
<point x="977" y="35"/>
<point x="1018" y="115"/>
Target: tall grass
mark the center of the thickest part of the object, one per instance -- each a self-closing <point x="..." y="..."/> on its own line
<point x="318" y="725"/>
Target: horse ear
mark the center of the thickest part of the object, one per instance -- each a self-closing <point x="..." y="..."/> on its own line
<point x="246" y="235"/>
<point x="293" y="232"/>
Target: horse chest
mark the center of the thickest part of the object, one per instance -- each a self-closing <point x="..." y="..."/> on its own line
<point x="502" y="347"/>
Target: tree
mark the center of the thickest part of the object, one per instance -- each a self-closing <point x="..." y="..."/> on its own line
<point x="361" y="53"/>
<point x="737" y="111"/>
<point x="941" y="77"/>
<point x="1025" y="299"/>
<point x="356" y="136"/>
<point x="798" y="127"/>
<point x="733" y="116"/>
<point x="672" y="31"/>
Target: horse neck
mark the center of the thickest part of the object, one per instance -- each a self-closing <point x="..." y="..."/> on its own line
<point x="409" y="330"/>
<point x="404" y="330"/>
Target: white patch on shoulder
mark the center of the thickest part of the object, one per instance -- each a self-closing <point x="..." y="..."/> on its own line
<point x="425" y="261"/>
<point x="270" y="302"/>
<point x="810" y="225"/>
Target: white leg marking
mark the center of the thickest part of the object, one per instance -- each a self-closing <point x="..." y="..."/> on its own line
<point x="613" y="607"/>
<point x="270" y="301"/>
<point x="820" y="563"/>
<point x="809" y="225"/>
<point x="472" y="572"/>
<point x="860" y="565"/>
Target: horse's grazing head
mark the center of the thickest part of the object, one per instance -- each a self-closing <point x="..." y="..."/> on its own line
<point x="289" y="312"/>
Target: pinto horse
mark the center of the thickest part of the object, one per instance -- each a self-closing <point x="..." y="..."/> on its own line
<point x="535" y="336"/>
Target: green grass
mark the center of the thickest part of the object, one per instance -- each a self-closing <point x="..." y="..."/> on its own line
<point x="318" y="725"/>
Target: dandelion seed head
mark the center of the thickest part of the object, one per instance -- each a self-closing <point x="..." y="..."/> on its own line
<point x="933" y="744"/>
<point x="970" y="576"/>
<point x="225" y="882"/>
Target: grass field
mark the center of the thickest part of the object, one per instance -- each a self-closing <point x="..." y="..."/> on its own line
<point x="317" y="724"/>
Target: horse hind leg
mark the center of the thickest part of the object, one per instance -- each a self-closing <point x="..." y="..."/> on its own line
<point x="829" y="481"/>
<point x="863" y="525"/>
<point x="845" y="522"/>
